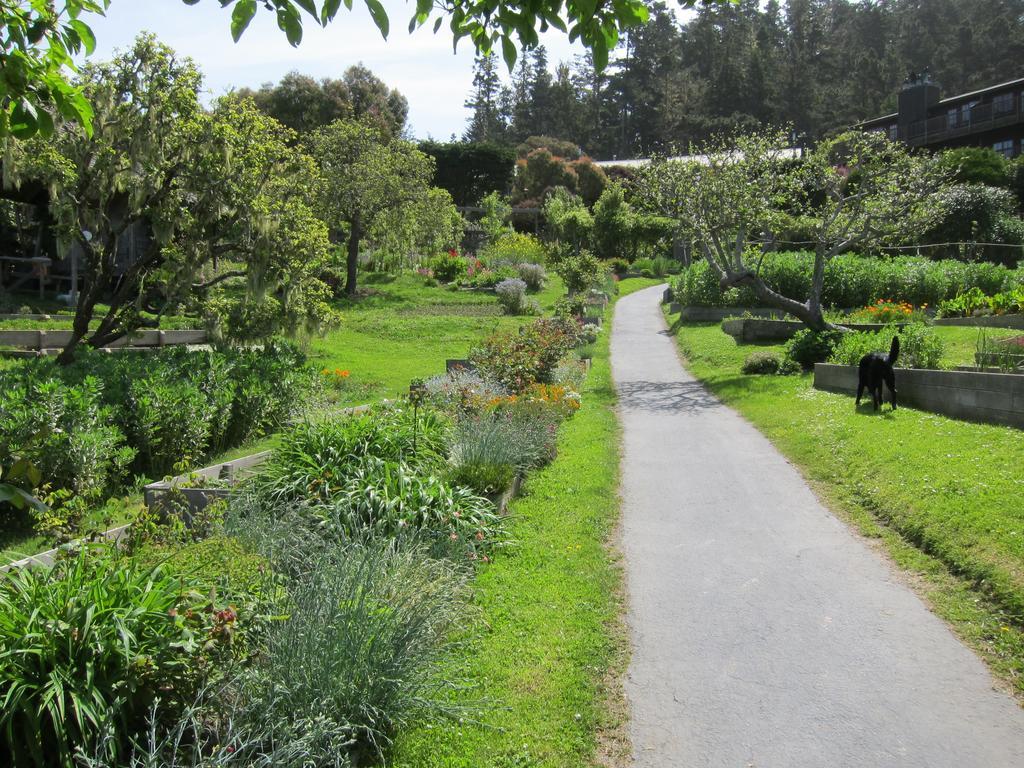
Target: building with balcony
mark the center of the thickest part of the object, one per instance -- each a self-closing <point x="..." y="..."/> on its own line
<point x="991" y="117"/>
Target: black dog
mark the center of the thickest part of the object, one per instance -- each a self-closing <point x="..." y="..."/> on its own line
<point x="874" y="369"/>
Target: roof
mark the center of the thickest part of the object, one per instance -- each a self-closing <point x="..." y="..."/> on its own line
<point x="982" y="91"/>
<point x="788" y="153"/>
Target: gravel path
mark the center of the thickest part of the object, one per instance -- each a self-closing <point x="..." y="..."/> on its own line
<point x="764" y="632"/>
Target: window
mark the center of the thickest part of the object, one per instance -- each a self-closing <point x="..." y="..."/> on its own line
<point x="894" y="132"/>
<point x="1002" y="104"/>
<point x="1004" y="148"/>
<point x="965" y="113"/>
<point x="951" y="121"/>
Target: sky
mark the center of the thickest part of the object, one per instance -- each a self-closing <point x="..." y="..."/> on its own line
<point x="421" y="65"/>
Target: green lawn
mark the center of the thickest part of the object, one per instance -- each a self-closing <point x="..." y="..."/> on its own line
<point x="547" y="632"/>
<point x="945" y="495"/>
<point x="402" y="330"/>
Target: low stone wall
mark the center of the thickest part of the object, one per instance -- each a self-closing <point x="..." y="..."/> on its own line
<point x="40" y="340"/>
<point x="717" y="314"/>
<point x="194" y="494"/>
<point x="987" y="321"/>
<point x="992" y="398"/>
<point x="747" y="329"/>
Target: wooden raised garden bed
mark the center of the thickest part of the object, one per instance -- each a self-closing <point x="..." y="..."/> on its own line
<point x="992" y="398"/>
<point x="199" y="488"/>
<point x="54" y="340"/>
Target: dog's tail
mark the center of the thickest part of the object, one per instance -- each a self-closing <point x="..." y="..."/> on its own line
<point x="894" y="350"/>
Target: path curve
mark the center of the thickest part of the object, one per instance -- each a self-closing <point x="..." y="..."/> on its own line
<point x="764" y="632"/>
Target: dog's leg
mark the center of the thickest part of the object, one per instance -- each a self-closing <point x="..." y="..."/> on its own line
<point x="860" y="390"/>
<point x="876" y="396"/>
<point x="890" y="380"/>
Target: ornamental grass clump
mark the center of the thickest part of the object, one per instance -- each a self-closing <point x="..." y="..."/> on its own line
<point x="356" y="655"/>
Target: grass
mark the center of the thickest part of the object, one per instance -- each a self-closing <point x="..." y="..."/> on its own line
<point x="401" y="329"/>
<point x="945" y="496"/>
<point x="546" y="635"/>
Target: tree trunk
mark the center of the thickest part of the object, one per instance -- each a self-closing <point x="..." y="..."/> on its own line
<point x="79" y="328"/>
<point x="355" y="234"/>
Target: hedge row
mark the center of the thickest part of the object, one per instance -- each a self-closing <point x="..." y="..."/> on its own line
<point x="851" y="280"/>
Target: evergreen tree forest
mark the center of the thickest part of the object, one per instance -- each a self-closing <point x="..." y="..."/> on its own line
<point x="816" y="65"/>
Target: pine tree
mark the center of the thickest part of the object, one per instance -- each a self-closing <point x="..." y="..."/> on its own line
<point x="486" y="123"/>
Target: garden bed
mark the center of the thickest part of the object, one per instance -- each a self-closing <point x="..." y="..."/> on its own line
<point x="196" y="494"/>
<point x="747" y="329"/>
<point x="985" y="321"/>
<point x="993" y="398"/>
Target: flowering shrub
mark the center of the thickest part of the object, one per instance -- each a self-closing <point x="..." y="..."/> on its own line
<point x="462" y="390"/>
<point x="516" y="360"/>
<point x="513" y="248"/>
<point x="888" y="311"/>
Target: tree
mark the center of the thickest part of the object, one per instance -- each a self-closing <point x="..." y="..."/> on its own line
<point x="486" y="124"/>
<point x="366" y="176"/>
<point x="37" y="43"/>
<point x="469" y="171"/>
<point x="190" y="187"/>
<point x="513" y="25"/>
<point x="860" y="190"/>
<point x="304" y="104"/>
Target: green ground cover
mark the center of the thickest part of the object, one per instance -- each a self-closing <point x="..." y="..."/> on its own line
<point x="944" y="495"/>
<point x="546" y="634"/>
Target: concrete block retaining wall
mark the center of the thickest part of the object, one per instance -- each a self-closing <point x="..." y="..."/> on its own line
<point x="992" y="398"/>
<point x="755" y="329"/>
<point x="988" y="321"/>
<point x="716" y="314"/>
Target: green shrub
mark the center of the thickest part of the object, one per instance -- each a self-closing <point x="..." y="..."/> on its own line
<point x="808" y="347"/>
<point x="920" y="347"/>
<point x="170" y="423"/>
<point x="619" y="266"/>
<point x="851" y="280"/>
<point x="448" y="267"/>
<point x="65" y="432"/>
<point x="579" y="271"/>
<point x="513" y="248"/>
<point x="854" y="345"/>
<point x="760" y="362"/>
<point x="88" y="646"/>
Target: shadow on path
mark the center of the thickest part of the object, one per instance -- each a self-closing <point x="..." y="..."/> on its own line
<point x="665" y="396"/>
